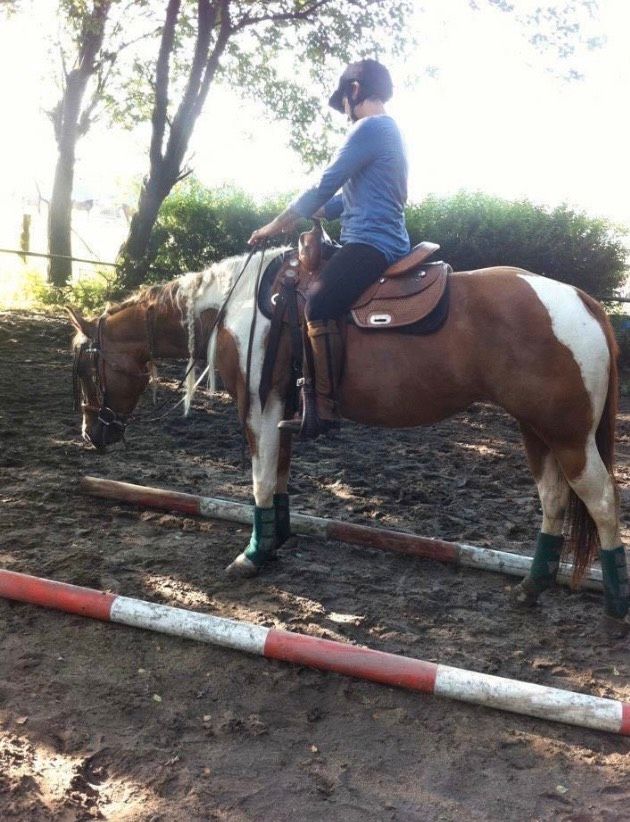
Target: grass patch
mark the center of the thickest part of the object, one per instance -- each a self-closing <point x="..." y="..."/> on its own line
<point x="24" y="287"/>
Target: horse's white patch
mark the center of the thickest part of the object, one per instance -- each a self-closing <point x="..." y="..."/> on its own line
<point x="575" y="327"/>
<point x="596" y="488"/>
<point x="264" y="426"/>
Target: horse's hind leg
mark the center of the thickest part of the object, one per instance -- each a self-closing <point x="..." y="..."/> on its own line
<point x="553" y="491"/>
<point x="594" y="485"/>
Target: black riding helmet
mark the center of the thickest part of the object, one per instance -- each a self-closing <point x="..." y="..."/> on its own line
<point x="374" y="80"/>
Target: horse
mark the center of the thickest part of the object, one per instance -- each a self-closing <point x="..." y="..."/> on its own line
<point x="543" y="351"/>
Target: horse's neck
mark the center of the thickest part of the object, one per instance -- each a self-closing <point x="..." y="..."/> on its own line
<point x="168" y="332"/>
<point x="149" y="332"/>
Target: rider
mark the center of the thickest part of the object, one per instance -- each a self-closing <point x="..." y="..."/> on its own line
<point x="371" y="170"/>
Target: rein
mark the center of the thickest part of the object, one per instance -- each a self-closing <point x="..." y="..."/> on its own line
<point x="250" y="344"/>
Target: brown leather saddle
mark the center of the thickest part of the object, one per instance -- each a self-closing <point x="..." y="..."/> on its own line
<point x="410" y="297"/>
<point x="406" y="294"/>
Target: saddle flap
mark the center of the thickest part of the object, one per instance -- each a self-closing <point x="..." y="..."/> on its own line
<point x="393" y="303"/>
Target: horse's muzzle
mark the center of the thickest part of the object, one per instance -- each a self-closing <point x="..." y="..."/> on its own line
<point x="108" y="428"/>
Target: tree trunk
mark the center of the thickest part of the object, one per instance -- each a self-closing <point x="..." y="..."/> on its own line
<point x="60" y="208"/>
<point x="166" y="160"/>
<point x="25" y="236"/>
<point x="69" y="126"/>
<point x="133" y="258"/>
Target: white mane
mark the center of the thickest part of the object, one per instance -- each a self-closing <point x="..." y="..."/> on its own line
<point x="200" y="291"/>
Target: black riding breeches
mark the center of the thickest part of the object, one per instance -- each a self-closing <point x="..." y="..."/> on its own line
<point x="343" y="279"/>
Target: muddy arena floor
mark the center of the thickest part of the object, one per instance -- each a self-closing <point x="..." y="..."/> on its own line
<point x="105" y="722"/>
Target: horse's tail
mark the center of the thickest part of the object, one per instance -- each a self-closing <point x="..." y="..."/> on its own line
<point x="583" y="541"/>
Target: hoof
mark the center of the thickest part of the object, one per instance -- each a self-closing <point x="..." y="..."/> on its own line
<point x="241" y="567"/>
<point x="615" y="628"/>
<point x="524" y="595"/>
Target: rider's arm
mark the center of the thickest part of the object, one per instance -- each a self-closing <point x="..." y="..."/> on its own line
<point x="358" y="150"/>
<point x="333" y="209"/>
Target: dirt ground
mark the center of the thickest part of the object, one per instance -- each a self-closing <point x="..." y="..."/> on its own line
<point x="99" y="721"/>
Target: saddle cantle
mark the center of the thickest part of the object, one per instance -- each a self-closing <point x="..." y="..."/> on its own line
<point x="412" y="261"/>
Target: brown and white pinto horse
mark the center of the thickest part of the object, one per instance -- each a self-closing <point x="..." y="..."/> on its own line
<point x="542" y="350"/>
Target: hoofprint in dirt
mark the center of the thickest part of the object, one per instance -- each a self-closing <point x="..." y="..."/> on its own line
<point x="102" y="721"/>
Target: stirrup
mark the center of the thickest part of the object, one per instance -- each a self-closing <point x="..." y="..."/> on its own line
<point x="293" y="425"/>
<point x="307" y="424"/>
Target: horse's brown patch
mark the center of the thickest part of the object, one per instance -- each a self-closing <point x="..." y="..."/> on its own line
<point x="497" y="345"/>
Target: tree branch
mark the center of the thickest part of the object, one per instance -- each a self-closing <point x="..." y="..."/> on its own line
<point x="225" y="32"/>
<point x="207" y="17"/>
<point x="92" y="36"/>
<point x="279" y="16"/>
<point x="158" y="118"/>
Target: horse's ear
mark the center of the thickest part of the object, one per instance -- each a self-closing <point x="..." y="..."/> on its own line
<point x="83" y="326"/>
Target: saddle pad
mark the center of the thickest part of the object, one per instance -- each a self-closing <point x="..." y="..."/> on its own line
<point x="274" y="274"/>
<point x="402" y="301"/>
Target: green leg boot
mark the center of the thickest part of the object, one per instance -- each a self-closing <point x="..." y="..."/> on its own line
<point x="616" y="591"/>
<point x="283" y="519"/>
<point x="542" y="574"/>
<point x="261" y="545"/>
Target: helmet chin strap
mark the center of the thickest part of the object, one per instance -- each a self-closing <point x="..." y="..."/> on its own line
<point x="352" y="104"/>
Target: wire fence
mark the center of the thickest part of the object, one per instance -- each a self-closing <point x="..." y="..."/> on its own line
<point x="21" y="253"/>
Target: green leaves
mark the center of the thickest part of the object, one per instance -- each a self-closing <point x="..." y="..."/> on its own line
<point x="560" y="31"/>
<point x="197" y="226"/>
<point x="477" y="230"/>
<point x="291" y="60"/>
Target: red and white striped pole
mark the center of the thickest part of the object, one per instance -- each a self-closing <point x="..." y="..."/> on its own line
<point x="389" y="669"/>
<point x="457" y="553"/>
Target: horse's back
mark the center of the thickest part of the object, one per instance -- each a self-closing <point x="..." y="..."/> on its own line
<point x="511" y="337"/>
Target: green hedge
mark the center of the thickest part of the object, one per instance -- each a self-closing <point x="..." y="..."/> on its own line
<point x="476" y="230"/>
<point x="197" y="226"/>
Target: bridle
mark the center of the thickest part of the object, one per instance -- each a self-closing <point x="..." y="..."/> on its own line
<point x="94" y="349"/>
<point x="99" y="358"/>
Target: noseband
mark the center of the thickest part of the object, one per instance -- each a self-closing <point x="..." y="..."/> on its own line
<point x="94" y="349"/>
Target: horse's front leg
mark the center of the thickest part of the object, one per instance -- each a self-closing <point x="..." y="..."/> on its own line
<point x="271" y="454"/>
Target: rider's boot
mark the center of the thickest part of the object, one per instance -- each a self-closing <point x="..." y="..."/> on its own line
<point x="326" y="345"/>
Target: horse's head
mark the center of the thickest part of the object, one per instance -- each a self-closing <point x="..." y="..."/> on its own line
<point x="110" y="373"/>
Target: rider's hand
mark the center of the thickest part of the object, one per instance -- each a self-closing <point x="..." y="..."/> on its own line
<point x="284" y="222"/>
<point x="265" y="233"/>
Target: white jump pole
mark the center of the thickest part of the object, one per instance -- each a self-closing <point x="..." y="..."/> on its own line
<point x="389" y="669"/>
<point x="458" y="553"/>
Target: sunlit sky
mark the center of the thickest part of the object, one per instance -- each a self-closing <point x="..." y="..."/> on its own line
<point x="492" y="117"/>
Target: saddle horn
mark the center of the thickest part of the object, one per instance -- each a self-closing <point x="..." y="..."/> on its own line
<point x="310" y="247"/>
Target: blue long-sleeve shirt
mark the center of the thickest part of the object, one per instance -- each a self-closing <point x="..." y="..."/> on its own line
<point x="371" y="170"/>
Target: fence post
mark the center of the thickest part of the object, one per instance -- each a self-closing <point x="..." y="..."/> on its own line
<point x="25" y="236"/>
